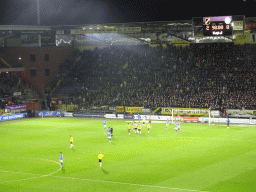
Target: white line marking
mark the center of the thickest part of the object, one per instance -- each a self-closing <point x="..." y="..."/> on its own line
<point x="39" y="175"/>
<point x="115" y="182"/>
<point x="130" y="184"/>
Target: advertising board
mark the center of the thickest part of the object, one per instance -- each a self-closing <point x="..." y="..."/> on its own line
<point x="120" y="109"/>
<point x="17" y="108"/>
<point x="120" y="116"/>
<point x="110" y="116"/>
<point x="11" y="117"/>
<point x="128" y="116"/>
<point x="241" y="113"/>
<point x="88" y="115"/>
<point x="68" y="114"/>
<point x="50" y="113"/>
<point x="133" y="109"/>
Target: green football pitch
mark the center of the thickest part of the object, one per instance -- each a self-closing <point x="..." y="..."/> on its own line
<point x="198" y="158"/>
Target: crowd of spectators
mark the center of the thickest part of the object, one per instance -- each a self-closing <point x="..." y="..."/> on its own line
<point x="12" y="89"/>
<point x="200" y="75"/>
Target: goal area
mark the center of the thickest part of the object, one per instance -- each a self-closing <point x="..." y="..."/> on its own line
<point x="193" y="115"/>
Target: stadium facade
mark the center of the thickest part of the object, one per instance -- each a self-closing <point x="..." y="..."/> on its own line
<point x="36" y="53"/>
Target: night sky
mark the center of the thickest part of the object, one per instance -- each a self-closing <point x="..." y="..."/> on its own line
<point x="76" y="12"/>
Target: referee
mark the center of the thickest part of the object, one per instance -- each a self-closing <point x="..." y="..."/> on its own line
<point x="100" y="158"/>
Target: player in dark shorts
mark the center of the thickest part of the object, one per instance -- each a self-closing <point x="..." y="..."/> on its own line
<point x="129" y="129"/>
<point x="111" y="130"/>
<point x="100" y="158"/>
<point x="148" y="126"/>
<point x="135" y="127"/>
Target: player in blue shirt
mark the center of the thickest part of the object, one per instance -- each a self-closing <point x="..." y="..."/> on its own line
<point x="105" y="124"/>
<point x="167" y="124"/>
<point x="139" y="117"/>
<point x="61" y="159"/>
<point x="178" y="125"/>
<point x="109" y="130"/>
<point x="109" y="137"/>
<point x="133" y="125"/>
<point x="228" y="121"/>
<point x="109" y="134"/>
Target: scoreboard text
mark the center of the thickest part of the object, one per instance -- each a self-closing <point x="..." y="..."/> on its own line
<point x="217" y="26"/>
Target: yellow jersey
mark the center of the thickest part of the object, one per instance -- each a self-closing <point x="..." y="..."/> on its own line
<point x="100" y="156"/>
<point x="148" y="126"/>
<point x="71" y="139"/>
<point x="129" y="126"/>
<point x="135" y="125"/>
<point x="139" y="127"/>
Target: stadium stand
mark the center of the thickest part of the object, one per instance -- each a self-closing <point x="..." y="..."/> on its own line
<point x="218" y="75"/>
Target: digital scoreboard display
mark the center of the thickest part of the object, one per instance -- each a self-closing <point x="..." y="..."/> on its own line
<point x="217" y="26"/>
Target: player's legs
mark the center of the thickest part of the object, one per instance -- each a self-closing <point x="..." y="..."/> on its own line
<point x="70" y="144"/>
<point x="61" y="162"/>
<point x="129" y="131"/>
<point x="100" y="161"/>
<point x="148" y="131"/>
<point x="135" y="130"/>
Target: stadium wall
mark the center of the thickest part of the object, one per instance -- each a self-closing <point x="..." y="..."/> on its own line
<point x="57" y="55"/>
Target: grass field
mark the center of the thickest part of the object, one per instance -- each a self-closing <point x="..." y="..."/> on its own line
<point x="198" y="158"/>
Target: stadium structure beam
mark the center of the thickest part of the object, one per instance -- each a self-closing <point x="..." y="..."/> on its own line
<point x="38" y="11"/>
<point x="12" y="69"/>
<point x="186" y="39"/>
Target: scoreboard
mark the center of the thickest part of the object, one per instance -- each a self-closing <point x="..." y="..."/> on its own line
<point x="218" y="26"/>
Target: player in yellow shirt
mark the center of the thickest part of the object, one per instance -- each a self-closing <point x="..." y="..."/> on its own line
<point x="139" y="129"/>
<point x="71" y="141"/>
<point x="100" y="158"/>
<point x="135" y="127"/>
<point x="129" y="128"/>
<point x="148" y="126"/>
